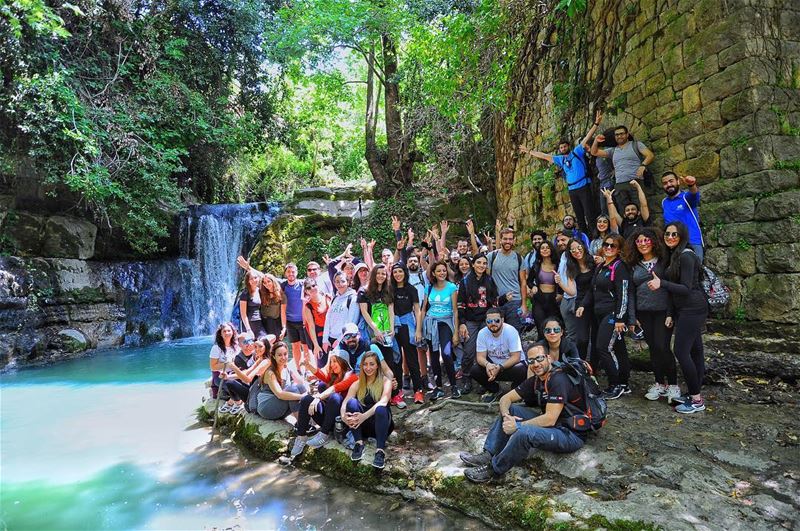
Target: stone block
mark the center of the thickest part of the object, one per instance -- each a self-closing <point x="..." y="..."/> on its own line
<point x="672" y="60"/>
<point x="756" y="233"/>
<point x="785" y="147"/>
<point x="778" y="258"/>
<point x="665" y="95"/>
<point x="672" y="156"/>
<point x="766" y="122"/>
<point x="750" y="185"/>
<point x="686" y="127"/>
<point x="691" y="98"/>
<point x="705" y="167"/>
<point x="737" y="77"/>
<point x="654" y="84"/>
<point x="717" y="259"/>
<point x="711" y="141"/>
<point x="758" y="156"/>
<point x="735" y="210"/>
<point x="742" y="259"/>
<point x="663" y="113"/>
<point x="27" y="232"/>
<point x="789" y="24"/>
<point x="695" y="72"/>
<point x="68" y="237"/>
<point x="675" y="32"/>
<point x="750" y="100"/>
<point x="773" y="297"/>
<point x="778" y="206"/>
<point x="711" y="116"/>
<point x="659" y="131"/>
<point x="708" y="42"/>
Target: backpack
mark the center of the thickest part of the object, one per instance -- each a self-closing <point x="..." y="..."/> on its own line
<point x="593" y="417"/>
<point x="717" y="293"/>
<point x="648" y="175"/>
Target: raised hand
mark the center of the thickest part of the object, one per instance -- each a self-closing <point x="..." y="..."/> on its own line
<point x="600" y="139"/>
<point x="395" y="223"/>
<point x="608" y="193"/>
<point x="243" y="263"/>
<point x="326" y="259"/>
<point x="655" y="283"/>
<point x="689" y="181"/>
<point x="363" y="243"/>
<point x="598" y="116"/>
<point x="401" y="244"/>
<point x="470" y="227"/>
<point x="445" y="225"/>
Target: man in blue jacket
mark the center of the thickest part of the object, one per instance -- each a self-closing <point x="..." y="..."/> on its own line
<point x="683" y="206"/>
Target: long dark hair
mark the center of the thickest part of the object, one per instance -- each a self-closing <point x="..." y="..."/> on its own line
<point x="674" y="266"/>
<point x="398" y="265"/>
<point x="633" y="256"/>
<point x="608" y="222"/>
<point x="273" y="363"/>
<point x="432" y="269"/>
<point x="573" y="266"/>
<point x="554" y="257"/>
<point x="219" y="340"/>
<point x="384" y="294"/>
<point x="458" y="276"/>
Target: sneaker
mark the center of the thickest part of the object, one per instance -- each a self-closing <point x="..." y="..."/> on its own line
<point x="481" y="459"/>
<point x="379" y="461"/>
<point x="419" y="398"/>
<point x="436" y="394"/>
<point x="319" y="440"/>
<point x="680" y="399"/>
<point x="691" y="406"/>
<point x="673" y="395"/>
<point x="358" y="452"/>
<point x="638" y="334"/>
<point x="454" y="392"/>
<point x="613" y="392"/>
<point x="466" y="388"/>
<point x="481" y="474"/>
<point x="626" y="389"/>
<point x="224" y="408"/>
<point x="656" y="391"/>
<point x="236" y="409"/>
<point x="398" y="401"/>
<point x="298" y="446"/>
<point x="488" y="398"/>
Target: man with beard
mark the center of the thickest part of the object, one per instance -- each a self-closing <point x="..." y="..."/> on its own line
<point x="630" y="158"/>
<point x="498" y="356"/>
<point x="633" y="217"/>
<point x="537" y="237"/>
<point x="510" y="276"/>
<point x="682" y="206"/>
<point x="569" y="227"/>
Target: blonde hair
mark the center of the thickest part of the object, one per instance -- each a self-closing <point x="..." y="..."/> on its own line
<point x="376" y="388"/>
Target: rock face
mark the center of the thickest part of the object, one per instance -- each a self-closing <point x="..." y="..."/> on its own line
<point x="713" y="88"/>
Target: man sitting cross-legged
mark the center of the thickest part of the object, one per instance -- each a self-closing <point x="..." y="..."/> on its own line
<point x="498" y="356"/>
<point x="519" y="429"/>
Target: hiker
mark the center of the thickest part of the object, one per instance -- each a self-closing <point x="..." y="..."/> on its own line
<point x="281" y="388"/>
<point x="223" y="351"/>
<point x="406" y="308"/>
<point x="315" y="311"/>
<point x="542" y="286"/>
<point x="250" y="305"/>
<point x="498" y="356"/>
<point x="683" y="206"/>
<point x="554" y="343"/>
<point x="343" y="309"/>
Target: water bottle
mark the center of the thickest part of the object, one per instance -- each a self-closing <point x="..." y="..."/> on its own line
<point x="339" y="430"/>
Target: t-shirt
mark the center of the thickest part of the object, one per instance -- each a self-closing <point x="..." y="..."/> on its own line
<point x="627" y="226"/>
<point x="499" y="348"/>
<point x="293" y="298"/>
<point x="225" y="356"/>
<point x="683" y="208"/>
<point x="253" y="305"/>
<point x="505" y="272"/>
<point x="440" y="302"/>
<point x="560" y="390"/>
<point x="574" y="167"/>
<point x="626" y="161"/>
<point x="377" y="310"/>
<point x="605" y="171"/>
<point x="404" y="299"/>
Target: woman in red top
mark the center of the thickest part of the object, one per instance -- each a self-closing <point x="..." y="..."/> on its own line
<point x="323" y="406"/>
<point x="315" y="311"/>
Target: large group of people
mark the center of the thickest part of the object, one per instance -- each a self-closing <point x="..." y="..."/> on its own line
<point x="357" y="337"/>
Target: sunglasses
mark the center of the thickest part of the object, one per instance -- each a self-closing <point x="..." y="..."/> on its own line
<point x="537" y="359"/>
<point x="575" y="250"/>
<point x="620" y="134"/>
<point x="644" y="241"/>
<point x="310" y="269"/>
<point x="671" y="234"/>
<point x="609" y="245"/>
<point x="554" y="330"/>
<point x="492" y="321"/>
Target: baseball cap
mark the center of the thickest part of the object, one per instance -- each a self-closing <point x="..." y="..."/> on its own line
<point x="350" y="329"/>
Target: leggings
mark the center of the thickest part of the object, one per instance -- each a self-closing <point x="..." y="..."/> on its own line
<point x="379" y="425"/>
<point x="410" y="356"/>
<point x="657" y="336"/>
<point x="612" y="354"/>
<point x="396" y="368"/>
<point x="583" y="330"/>
<point x="325" y="414"/>
<point x="689" y="349"/>
<point x="544" y="306"/>
<point x="446" y="348"/>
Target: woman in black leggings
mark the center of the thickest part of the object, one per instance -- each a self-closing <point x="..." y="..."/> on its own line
<point x="609" y="299"/>
<point x="646" y="256"/>
<point x="406" y="310"/>
<point x="682" y="281"/>
<point x="580" y="270"/>
<point x="542" y="285"/>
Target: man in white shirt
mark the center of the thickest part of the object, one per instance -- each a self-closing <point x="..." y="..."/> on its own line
<point x="498" y="356"/>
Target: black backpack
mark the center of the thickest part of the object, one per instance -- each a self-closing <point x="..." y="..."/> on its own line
<point x="593" y="417"/>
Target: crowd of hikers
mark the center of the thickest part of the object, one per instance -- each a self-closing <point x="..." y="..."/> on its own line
<point x="335" y="352"/>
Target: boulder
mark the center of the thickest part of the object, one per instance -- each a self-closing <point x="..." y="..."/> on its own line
<point x="68" y="237"/>
<point x="25" y="232"/>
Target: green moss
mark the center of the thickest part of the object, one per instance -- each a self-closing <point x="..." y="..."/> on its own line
<point x="597" y="521"/>
<point x="85" y="295"/>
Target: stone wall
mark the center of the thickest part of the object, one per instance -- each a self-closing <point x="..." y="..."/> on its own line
<point x="713" y="88"/>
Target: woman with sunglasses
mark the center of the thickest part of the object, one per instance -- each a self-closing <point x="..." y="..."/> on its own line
<point x="604" y="225"/>
<point x="554" y="343"/>
<point x="682" y="281"/>
<point x="315" y="312"/>
<point x="542" y="285"/>
<point x="645" y="256"/>
<point x="609" y="299"/>
<point x="580" y="270"/>
<point x="406" y="308"/>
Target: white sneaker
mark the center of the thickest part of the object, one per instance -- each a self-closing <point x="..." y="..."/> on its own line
<point x="319" y="440"/>
<point x="298" y="446"/>
<point x="656" y="391"/>
<point x="674" y="395"/>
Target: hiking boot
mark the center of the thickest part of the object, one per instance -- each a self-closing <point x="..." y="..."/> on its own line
<point x="435" y="395"/>
<point x="691" y="406"/>
<point x="358" y="452"/>
<point x="298" y="446"/>
<point x="379" y="461"/>
<point x="398" y="401"/>
<point x="419" y="398"/>
<point x="454" y="392"/>
<point x="481" y="474"/>
<point x="490" y="397"/>
<point x="319" y="440"/>
<point x="481" y="459"/>
<point x="613" y="392"/>
<point x="656" y="391"/>
<point x="673" y="395"/>
<point x="467" y="387"/>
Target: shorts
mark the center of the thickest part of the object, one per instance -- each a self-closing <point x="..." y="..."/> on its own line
<point x="295" y="331"/>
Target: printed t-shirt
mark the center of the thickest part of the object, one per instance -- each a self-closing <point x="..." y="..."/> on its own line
<point x="439" y="300"/>
<point x="404" y="299"/>
<point x="499" y="348"/>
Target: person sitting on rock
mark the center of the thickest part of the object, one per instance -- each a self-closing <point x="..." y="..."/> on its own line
<point x="222" y="352"/>
<point x="281" y="388"/>
<point x="519" y="429"/>
<point x="498" y="354"/>
<point x="366" y="409"/>
<point x="324" y="406"/>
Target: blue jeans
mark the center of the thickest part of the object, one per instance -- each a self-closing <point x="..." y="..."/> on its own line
<point x="379" y="425"/>
<point x="510" y="450"/>
<point x="325" y="414"/>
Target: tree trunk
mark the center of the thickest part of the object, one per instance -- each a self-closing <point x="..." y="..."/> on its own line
<point x="371" y="152"/>
<point x="399" y="165"/>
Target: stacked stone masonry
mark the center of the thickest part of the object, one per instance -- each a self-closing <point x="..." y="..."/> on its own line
<point x="713" y="88"/>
